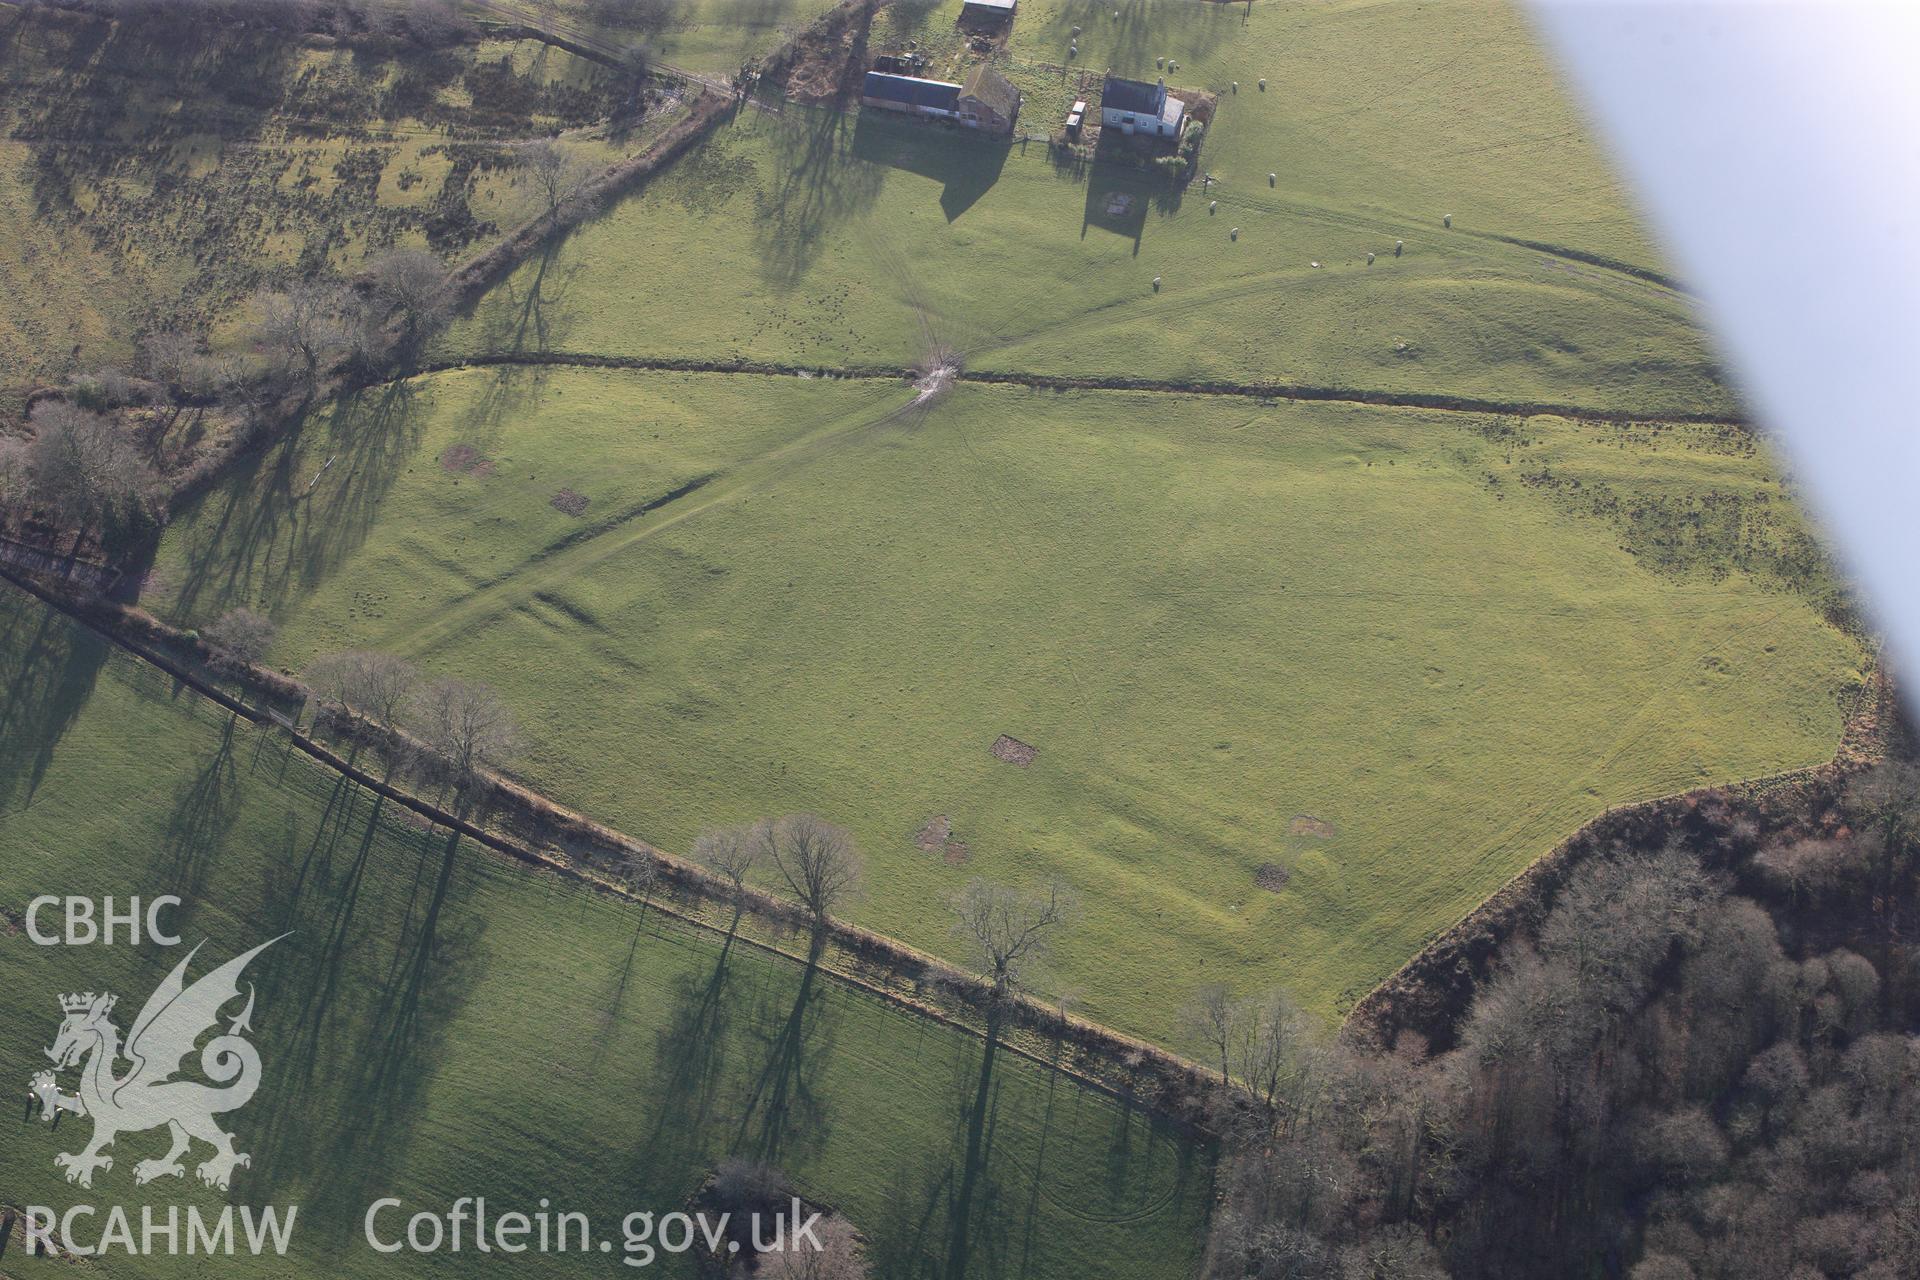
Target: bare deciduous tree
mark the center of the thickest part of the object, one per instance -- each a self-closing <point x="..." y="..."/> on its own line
<point x="1810" y="866"/>
<point x="1270" y="1036"/>
<point x="839" y="1256"/>
<point x="412" y="285"/>
<point x="83" y="466"/>
<point x="16" y="471"/>
<point x="240" y="635"/>
<point x="1210" y="1018"/>
<point x="1008" y="931"/>
<point x="376" y="686"/>
<point x="310" y="323"/>
<point x="816" y="860"/>
<point x="167" y="354"/>
<point x="557" y="175"/>
<point x="639" y="874"/>
<point x="731" y="853"/>
<point x="466" y="725"/>
<point x="743" y="1184"/>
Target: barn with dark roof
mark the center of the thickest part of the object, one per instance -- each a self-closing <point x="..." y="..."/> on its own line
<point x="987" y="101"/>
<point x="911" y="95"/>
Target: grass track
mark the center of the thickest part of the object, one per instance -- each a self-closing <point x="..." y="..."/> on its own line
<point x="1211" y="616"/>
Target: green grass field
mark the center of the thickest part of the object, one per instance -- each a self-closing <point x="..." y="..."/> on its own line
<point x="703" y="36"/>
<point x="1395" y="655"/>
<point x="443" y="1024"/>
<point x="831" y="239"/>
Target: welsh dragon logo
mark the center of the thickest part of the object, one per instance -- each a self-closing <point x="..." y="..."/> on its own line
<point x="147" y="1094"/>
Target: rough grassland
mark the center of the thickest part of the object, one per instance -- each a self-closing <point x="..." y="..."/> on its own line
<point x="1210" y="616"/>
<point x="440" y="1025"/>
<point x="153" y="173"/>
<point x="813" y="237"/>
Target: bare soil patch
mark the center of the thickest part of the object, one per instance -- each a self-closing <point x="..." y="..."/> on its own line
<point x="1014" y="751"/>
<point x="937" y="837"/>
<point x="1271" y="876"/>
<point x="574" y="504"/>
<point x="465" y="460"/>
<point x="10" y="923"/>
<point x="1305" y="824"/>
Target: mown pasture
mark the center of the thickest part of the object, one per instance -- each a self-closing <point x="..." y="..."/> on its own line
<point x="441" y="1023"/>
<point x="825" y="238"/>
<point x="1306" y="681"/>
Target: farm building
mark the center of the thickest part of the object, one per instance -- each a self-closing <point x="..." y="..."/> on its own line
<point x="986" y="101"/>
<point x="1134" y="106"/>
<point x="989" y="101"/>
<point x="910" y="94"/>
<point x="987" y="12"/>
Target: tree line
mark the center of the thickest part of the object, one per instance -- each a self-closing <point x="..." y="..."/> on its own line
<point x="1702" y="1066"/>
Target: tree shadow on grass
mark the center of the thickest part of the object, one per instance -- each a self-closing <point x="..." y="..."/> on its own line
<point x="1138" y="31"/>
<point x="782" y="1115"/>
<point x="48" y="668"/>
<point x="287" y="518"/>
<point x="818" y="185"/>
<point x="509" y="397"/>
<point x="358" y="1047"/>
<point x="688" y="1077"/>
<point x="947" y="1215"/>
<point x="990" y="1202"/>
<point x="204" y="809"/>
<point x="526" y="312"/>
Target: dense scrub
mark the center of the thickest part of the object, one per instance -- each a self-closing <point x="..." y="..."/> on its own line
<point x="1702" y="1064"/>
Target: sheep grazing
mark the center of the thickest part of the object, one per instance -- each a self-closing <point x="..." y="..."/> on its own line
<point x="1234" y="234"/>
<point x="1369" y="259"/>
<point x="1446" y="220"/>
<point x="1156" y="284"/>
<point x="1212" y="205"/>
<point x="1273" y="179"/>
<point x="1263" y="84"/>
<point x="1398" y="245"/>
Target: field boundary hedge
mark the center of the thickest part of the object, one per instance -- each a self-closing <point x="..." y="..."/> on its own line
<point x="1430" y="993"/>
<point x="544" y="835"/>
<point x="1429" y="401"/>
